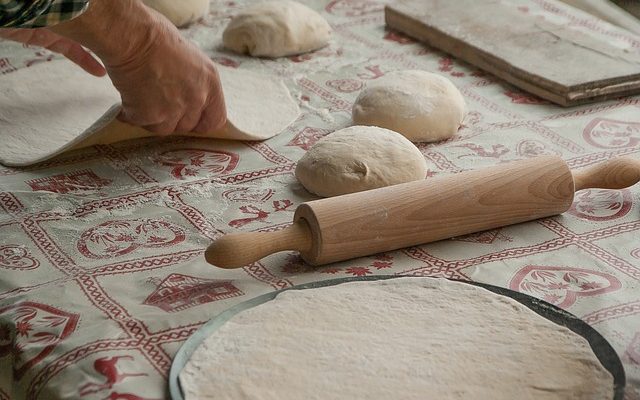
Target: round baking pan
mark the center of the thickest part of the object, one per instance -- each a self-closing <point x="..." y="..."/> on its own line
<point x="601" y="348"/>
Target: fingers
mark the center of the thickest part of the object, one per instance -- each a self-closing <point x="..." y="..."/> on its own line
<point x="17" y="35"/>
<point x="214" y="116"/>
<point x="165" y="127"/>
<point x="77" y="54"/>
<point x="168" y="86"/>
<point x="162" y="129"/>
<point x="205" y="119"/>
<point x="210" y="120"/>
<point x="188" y="122"/>
<point x="58" y="44"/>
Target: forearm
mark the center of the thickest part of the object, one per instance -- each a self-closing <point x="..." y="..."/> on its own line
<point x="115" y="30"/>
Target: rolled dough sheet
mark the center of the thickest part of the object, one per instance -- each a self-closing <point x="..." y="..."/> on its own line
<point x="54" y="107"/>
<point x="405" y="338"/>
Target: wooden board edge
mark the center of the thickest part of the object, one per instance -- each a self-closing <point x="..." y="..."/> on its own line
<point x="583" y="94"/>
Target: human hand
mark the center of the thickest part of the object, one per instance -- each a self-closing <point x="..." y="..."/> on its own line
<point x="71" y="49"/>
<point x="166" y="83"/>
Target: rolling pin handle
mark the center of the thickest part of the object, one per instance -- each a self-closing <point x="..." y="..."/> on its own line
<point x="618" y="173"/>
<point x="237" y="250"/>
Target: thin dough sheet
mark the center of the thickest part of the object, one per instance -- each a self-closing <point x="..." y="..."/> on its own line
<point x="404" y="338"/>
<point x="54" y="107"/>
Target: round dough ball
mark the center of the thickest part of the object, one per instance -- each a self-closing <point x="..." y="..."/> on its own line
<point x="182" y="12"/>
<point x="276" y="29"/>
<point x="422" y="106"/>
<point x="359" y="158"/>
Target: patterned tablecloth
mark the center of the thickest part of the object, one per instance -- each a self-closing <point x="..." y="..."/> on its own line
<point x="101" y="250"/>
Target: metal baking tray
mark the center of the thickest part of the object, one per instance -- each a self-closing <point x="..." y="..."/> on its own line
<point x="601" y="348"/>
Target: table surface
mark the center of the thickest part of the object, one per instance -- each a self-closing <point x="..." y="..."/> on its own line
<point x="101" y="250"/>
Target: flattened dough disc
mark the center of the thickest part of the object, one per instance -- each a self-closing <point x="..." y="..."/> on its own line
<point x="54" y="107"/>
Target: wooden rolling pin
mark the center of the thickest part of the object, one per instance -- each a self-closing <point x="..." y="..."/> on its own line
<point x="409" y="214"/>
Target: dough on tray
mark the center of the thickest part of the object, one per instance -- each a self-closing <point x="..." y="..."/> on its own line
<point x="422" y="106"/>
<point x="359" y="158"/>
<point x="403" y="338"/>
<point x="276" y="29"/>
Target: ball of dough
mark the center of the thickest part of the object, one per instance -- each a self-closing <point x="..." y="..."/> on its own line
<point x="182" y="12"/>
<point x="276" y="29"/>
<point x="359" y="158"/>
<point x="422" y="106"/>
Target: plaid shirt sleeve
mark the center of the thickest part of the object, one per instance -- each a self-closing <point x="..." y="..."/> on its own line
<point x="38" y="13"/>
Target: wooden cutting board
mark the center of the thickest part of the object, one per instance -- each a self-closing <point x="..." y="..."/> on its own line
<point x="552" y="61"/>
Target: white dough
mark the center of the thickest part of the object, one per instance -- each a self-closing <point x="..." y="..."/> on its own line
<point x="404" y="338"/>
<point x="180" y="12"/>
<point x="53" y="107"/>
<point x="359" y="158"/>
<point x="276" y="29"/>
<point x="422" y="106"/>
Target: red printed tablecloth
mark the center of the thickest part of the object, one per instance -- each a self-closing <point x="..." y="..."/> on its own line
<point x="101" y="250"/>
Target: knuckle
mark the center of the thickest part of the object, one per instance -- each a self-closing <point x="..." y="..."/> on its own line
<point x="137" y="120"/>
<point x="209" y="124"/>
<point x="202" y="99"/>
<point x="160" y="130"/>
<point x="186" y="126"/>
<point x="221" y="121"/>
<point x="217" y="119"/>
<point x="202" y="127"/>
